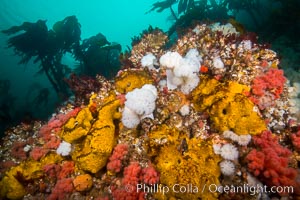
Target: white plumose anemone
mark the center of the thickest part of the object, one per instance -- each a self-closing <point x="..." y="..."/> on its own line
<point x="227" y="167"/>
<point x="229" y="152"/>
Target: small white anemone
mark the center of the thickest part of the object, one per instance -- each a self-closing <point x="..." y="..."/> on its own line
<point x="149" y="60"/>
<point x="218" y="63"/>
<point x="227" y="167"/>
<point x="229" y="152"/>
<point x="184" y="110"/>
<point x="64" y="148"/>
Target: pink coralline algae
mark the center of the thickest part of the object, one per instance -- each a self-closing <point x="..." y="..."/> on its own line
<point x="115" y="160"/>
<point x="270" y="161"/>
<point x="268" y="87"/>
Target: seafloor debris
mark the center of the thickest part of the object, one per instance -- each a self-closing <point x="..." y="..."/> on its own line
<point x="212" y="117"/>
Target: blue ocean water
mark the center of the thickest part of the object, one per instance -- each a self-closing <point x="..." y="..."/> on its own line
<point x="223" y="106"/>
<point x="118" y="20"/>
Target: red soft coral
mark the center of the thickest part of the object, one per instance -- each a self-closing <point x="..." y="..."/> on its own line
<point x="66" y="169"/>
<point x="256" y="160"/>
<point x="62" y="189"/>
<point x="38" y="152"/>
<point x="273" y="81"/>
<point x="134" y="175"/>
<point x="5" y="165"/>
<point x="115" y="160"/>
<point x="55" y="124"/>
<point x="125" y="194"/>
<point x="150" y="175"/>
<point x="59" y="171"/>
<point x="17" y="150"/>
<point x="267" y="88"/>
<point x="296" y="139"/>
<point x="128" y="190"/>
<point x="131" y="174"/>
<point x="52" y="170"/>
<point x="53" y="142"/>
<point x="270" y="161"/>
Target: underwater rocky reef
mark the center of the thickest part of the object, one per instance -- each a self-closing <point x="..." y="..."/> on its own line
<point x="210" y="117"/>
